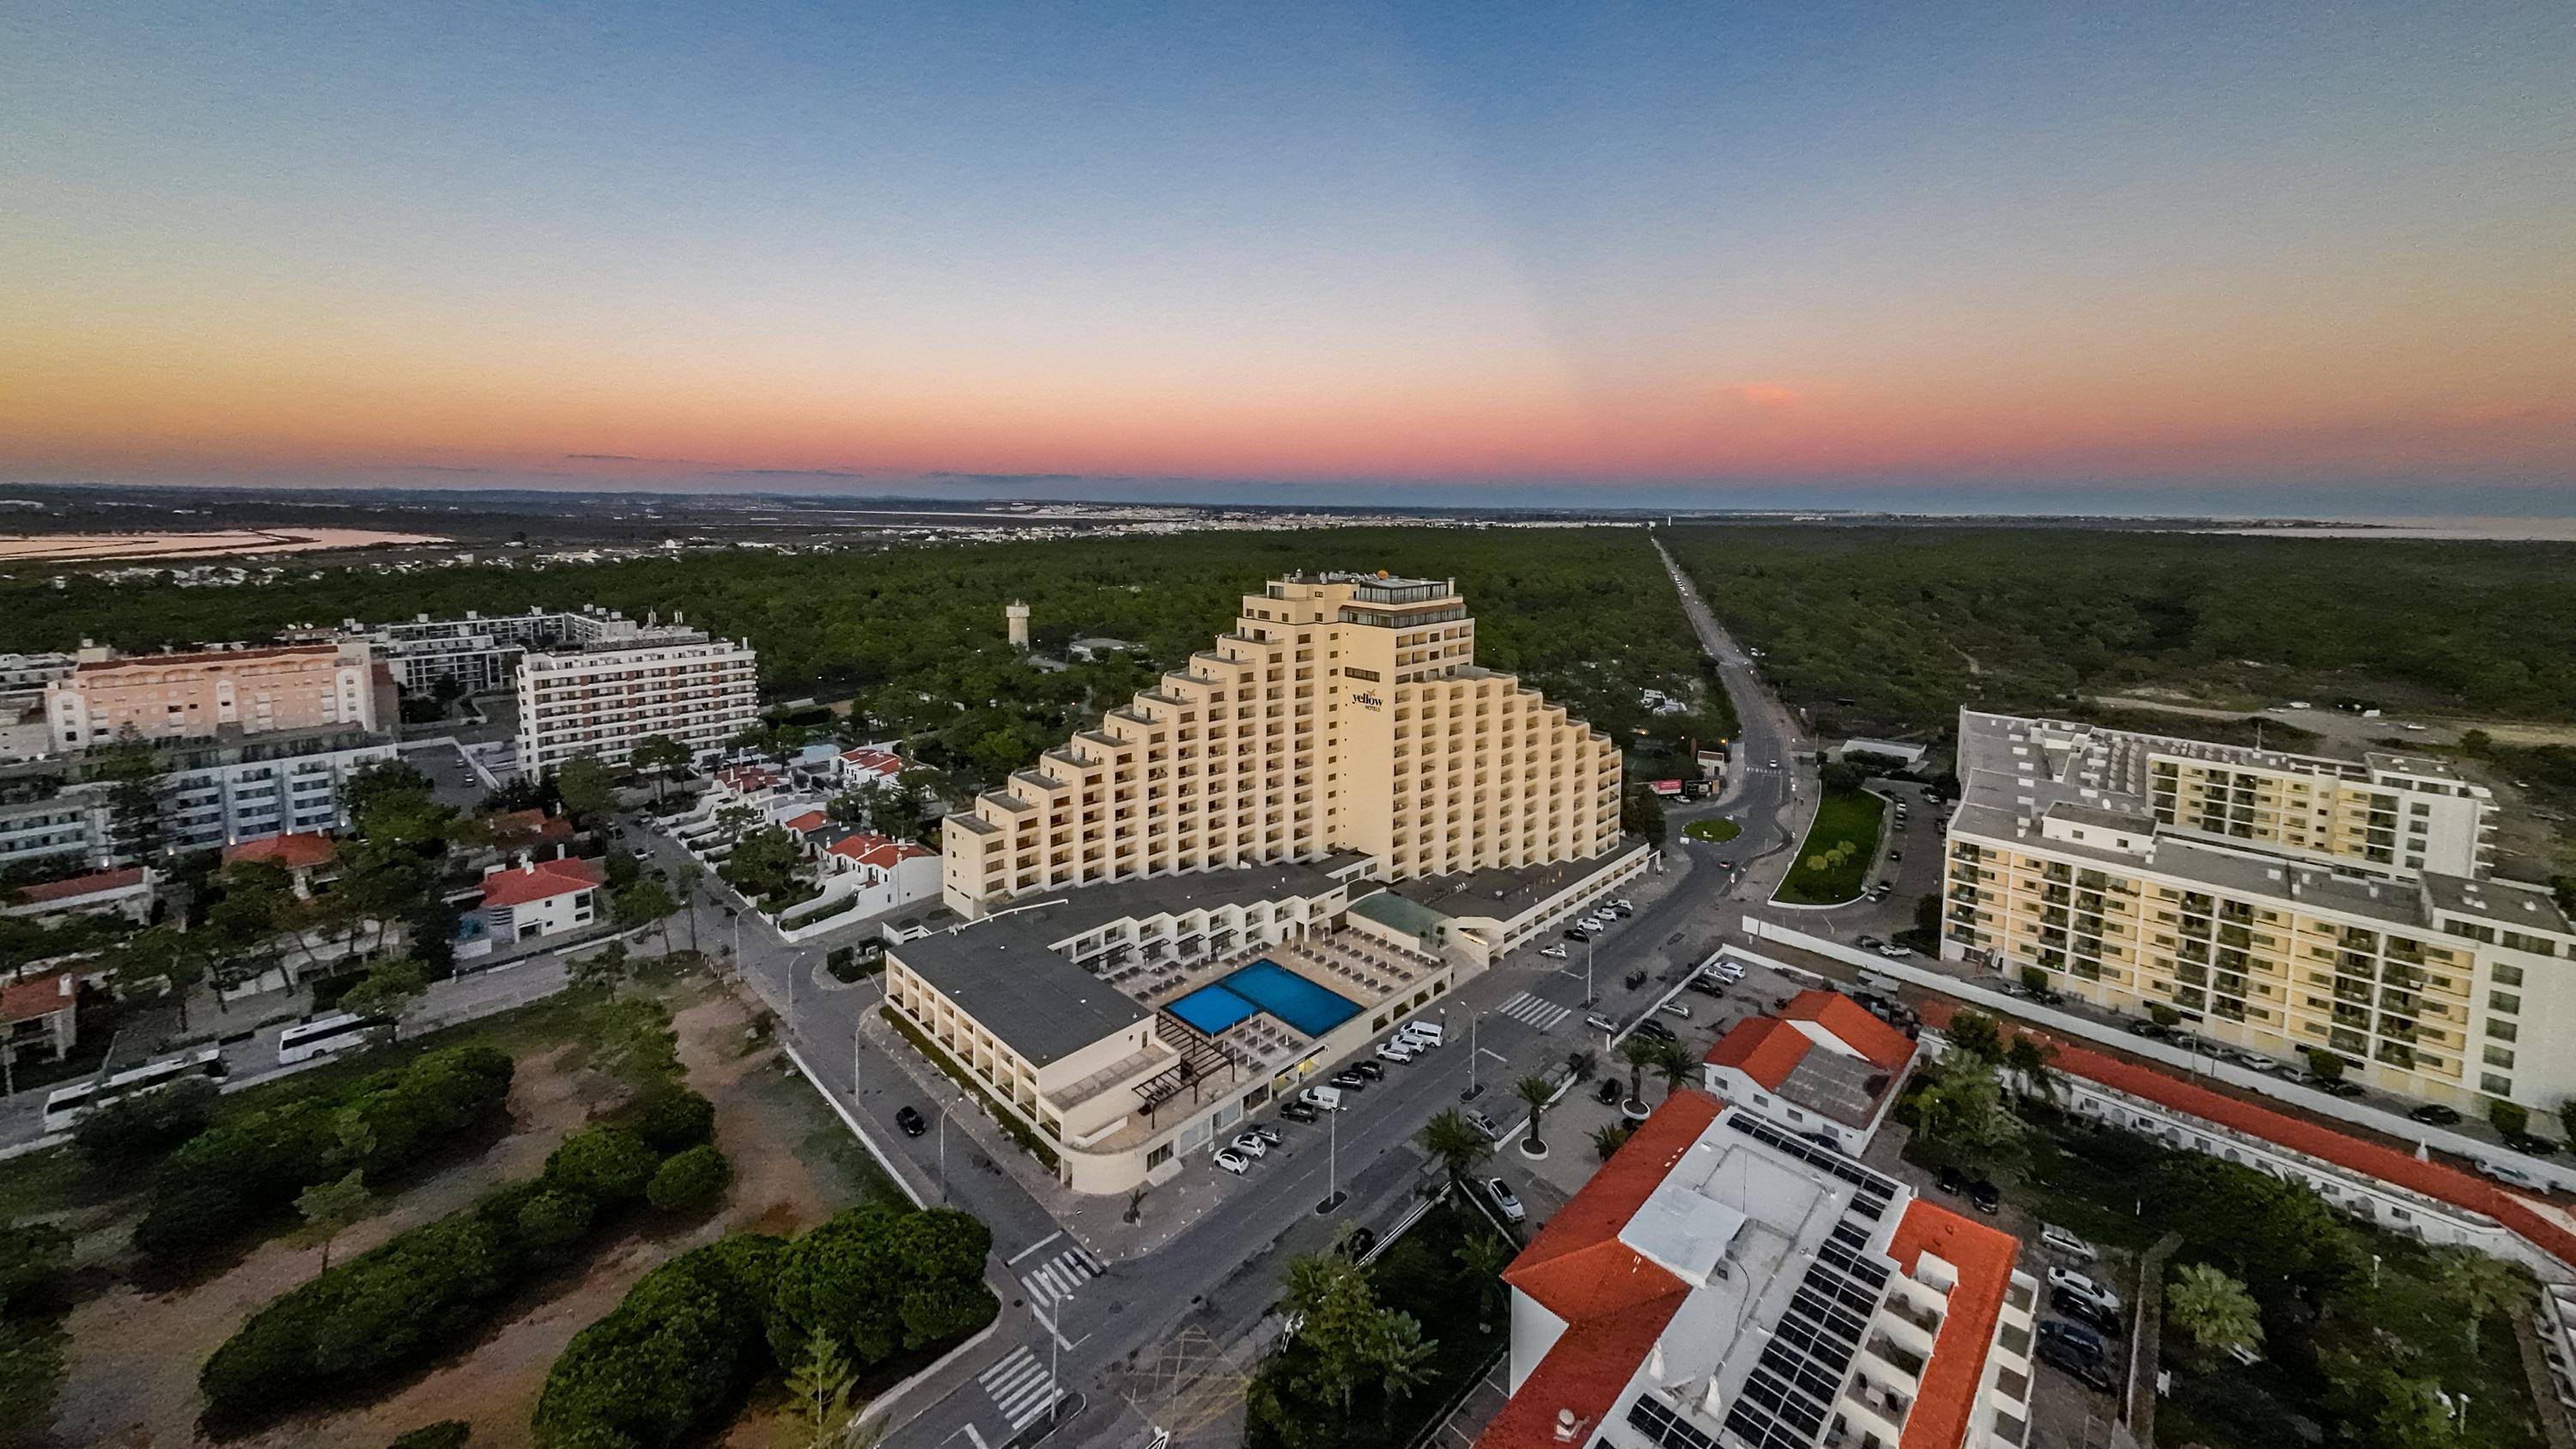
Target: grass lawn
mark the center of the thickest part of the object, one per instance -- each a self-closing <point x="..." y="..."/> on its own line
<point x="1833" y="862"/>
<point x="1717" y="830"/>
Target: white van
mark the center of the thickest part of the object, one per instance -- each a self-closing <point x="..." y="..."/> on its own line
<point x="1328" y="1098"/>
<point x="1428" y="1033"/>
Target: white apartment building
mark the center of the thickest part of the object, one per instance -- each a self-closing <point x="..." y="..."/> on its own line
<point x="481" y="652"/>
<point x="605" y="696"/>
<point x="1723" y="1282"/>
<point x="1343" y="712"/>
<point x="2279" y="902"/>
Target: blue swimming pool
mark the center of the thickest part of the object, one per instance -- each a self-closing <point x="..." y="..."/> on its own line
<point x="1265" y="986"/>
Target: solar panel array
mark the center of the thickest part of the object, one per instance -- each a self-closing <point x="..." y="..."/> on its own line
<point x="1876" y="1189"/>
<point x="1662" y="1426"/>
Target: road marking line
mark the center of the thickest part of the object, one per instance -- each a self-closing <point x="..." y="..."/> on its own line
<point x="1031" y="1416"/>
<point x="977" y="1439"/>
<point x="1033" y="1247"/>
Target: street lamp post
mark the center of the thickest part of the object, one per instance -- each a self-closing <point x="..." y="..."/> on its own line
<point x="1472" y="1089"/>
<point x="1332" y="1163"/>
<point x="1588" y="997"/>
<point x="943" y="1154"/>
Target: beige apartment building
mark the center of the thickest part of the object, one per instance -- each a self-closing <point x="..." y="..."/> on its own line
<point x="603" y="695"/>
<point x="1343" y="712"/>
<point x="216" y="693"/>
<point x="2282" y="903"/>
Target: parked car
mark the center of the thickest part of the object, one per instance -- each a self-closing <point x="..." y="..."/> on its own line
<point x="1504" y="1202"/>
<point x="2152" y="1030"/>
<point x="2081" y="1285"/>
<point x="1951" y="1182"/>
<point x="1485" y="1124"/>
<point x="2075" y="1336"/>
<point x="1868" y="943"/>
<point x="2084" y="1370"/>
<point x="1608" y="1095"/>
<point x="1895" y="952"/>
<point x="1300" y="1112"/>
<point x="2053" y="1237"/>
<point x="1706" y="987"/>
<point x="1623" y="904"/>
<point x="2434" y="1114"/>
<point x="1989" y="1199"/>
<point x="1395" y="1051"/>
<point x="1729" y="971"/>
<point x="2255" y="1062"/>
<point x="1267" y="1133"/>
<point x="1370" y="1070"/>
<point x="1622" y="909"/>
<point x="1348" y="1080"/>
<point x="1577" y="933"/>
<point x="2510" y="1175"/>
<point x="2339" y="1088"/>
<point x="1421" y="1036"/>
<point x="1552" y="951"/>
<point x="1655" y="1030"/>
<point x="1674" y="1008"/>
<point x="2101" y="1320"/>
<point x="910" y="1120"/>
<point x="1598" y="1022"/>
<point x="1250" y="1145"/>
<point x="1327" y="1099"/>
<point x="1232" y="1161"/>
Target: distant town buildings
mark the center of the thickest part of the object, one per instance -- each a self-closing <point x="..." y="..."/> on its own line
<point x="2277" y="902"/>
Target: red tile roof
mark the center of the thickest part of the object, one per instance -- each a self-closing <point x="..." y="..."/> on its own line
<point x="536" y="823"/>
<point x="810" y="820"/>
<point x="97" y="882"/>
<point x="874" y="762"/>
<point x="292" y="851"/>
<point x="1984" y="1258"/>
<point x="522" y="884"/>
<point x="857" y="844"/>
<point x="1764" y="1048"/>
<point x="39" y="996"/>
<point x="1613" y="1300"/>
<point x="1852" y="1024"/>
<point x="2370" y="1159"/>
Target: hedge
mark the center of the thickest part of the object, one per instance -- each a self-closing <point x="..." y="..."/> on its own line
<point x="225" y="1181"/>
<point x="678" y="1353"/>
<point x="688" y="1182"/>
<point x="393" y="1308"/>
<point x="681" y="1347"/>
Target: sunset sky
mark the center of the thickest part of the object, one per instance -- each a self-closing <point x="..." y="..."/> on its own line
<point x="2254" y="257"/>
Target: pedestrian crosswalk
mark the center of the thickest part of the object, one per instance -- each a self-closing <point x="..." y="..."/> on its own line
<point x="1054" y="1280"/>
<point x="1533" y="1011"/>
<point x="1021" y="1386"/>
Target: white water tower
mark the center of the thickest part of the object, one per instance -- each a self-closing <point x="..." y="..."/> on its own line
<point x="1018" y="615"/>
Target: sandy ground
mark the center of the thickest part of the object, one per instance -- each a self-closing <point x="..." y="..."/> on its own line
<point x="76" y="547"/>
<point x="131" y="1376"/>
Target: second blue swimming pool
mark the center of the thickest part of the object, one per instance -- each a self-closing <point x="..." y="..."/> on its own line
<point x="1265" y="986"/>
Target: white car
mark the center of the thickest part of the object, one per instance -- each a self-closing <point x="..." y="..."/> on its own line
<point x="1625" y="904"/>
<point x="2060" y="1240"/>
<point x="2083" y="1286"/>
<point x="1894" y="952"/>
<point x="2511" y="1176"/>
<point x="1675" y="1008"/>
<point x="1553" y="953"/>
<point x="1598" y="1022"/>
<point x="1729" y="970"/>
<point x="1251" y="1145"/>
<point x="1509" y="1205"/>
<point x="1232" y="1161"/>
<point x="1396" y="1052"/>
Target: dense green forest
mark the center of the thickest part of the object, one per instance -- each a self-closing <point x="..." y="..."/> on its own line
<point x="1894" y="628"/>
<point x="915" y="634"/>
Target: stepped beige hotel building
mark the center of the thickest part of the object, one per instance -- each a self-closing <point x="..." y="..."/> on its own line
<point x="1344" y="712"/>
<point x="2280" y="902"/>
<point x="1335" y="793"/>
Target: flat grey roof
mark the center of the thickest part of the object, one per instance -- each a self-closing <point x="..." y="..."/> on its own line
<point x="1007" y="973"/>
<point x="2504" y="903"/>
<point x="1505" y="893"/>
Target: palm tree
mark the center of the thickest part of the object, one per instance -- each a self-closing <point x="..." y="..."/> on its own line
<point x="1583" y="1064"/>
<point x="1454" y="1143"/>
<point x="2212" y="1309"/>
<point x="1674" y="1063"/>
<point x="1402" y="1358"/>
<point x="1481" y="1261"/>
<point x="1639" y="1053"/>
<point x="1535" y="1093"/>
<point x="1607" y="1140"/>
<point x="2027" y="1060"/>
<point x="2476" y="1284"/>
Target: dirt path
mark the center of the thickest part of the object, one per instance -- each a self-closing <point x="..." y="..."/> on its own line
<point x="495" y="1386"/>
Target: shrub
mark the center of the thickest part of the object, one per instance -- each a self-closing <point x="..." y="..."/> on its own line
<point x="220" y="1183"/>
<point x="549" y="1221"/>
<point x="135" y="1129"/>
<point x="380" y="1311"/>
<point x="883" y="1280"/>
<point x="671" y="1119"/>
<point x="689" y="1182"/>
<point x="609" y="1165"/>
<point x="445" y="1434"/>
<point x="664" y="1362"/>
